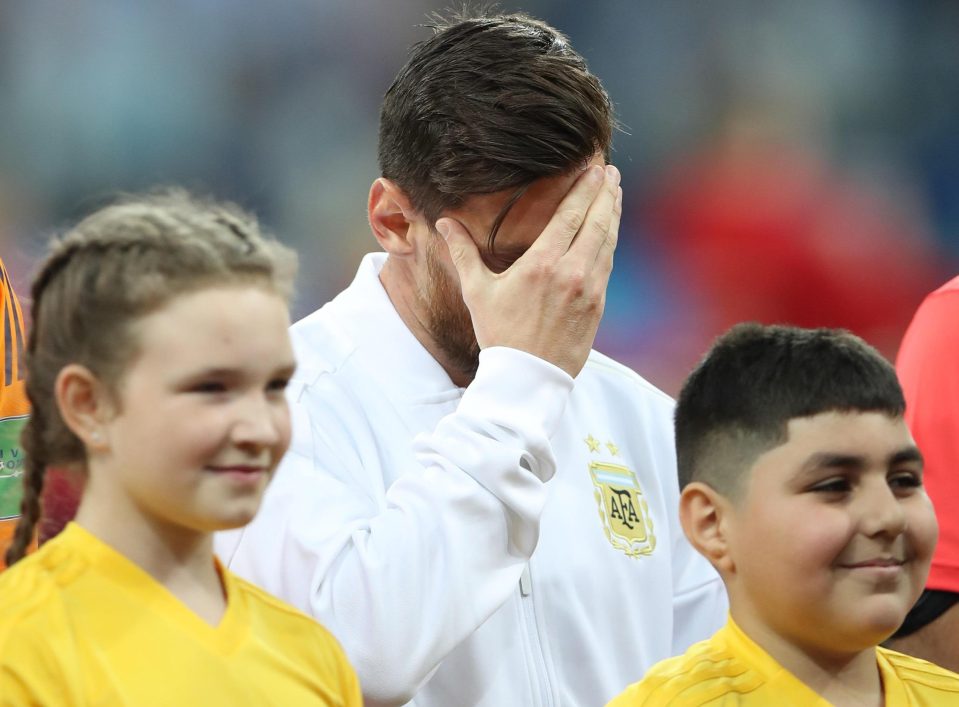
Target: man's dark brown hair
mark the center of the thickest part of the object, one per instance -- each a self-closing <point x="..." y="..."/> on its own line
<point x="490" y="102"/>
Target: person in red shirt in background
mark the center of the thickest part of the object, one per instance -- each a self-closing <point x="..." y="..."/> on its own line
<point x="777" y="233"/>
<point x="752" y="228"/>
<point x="928" y="368"/>
<point x="14" y="410"/>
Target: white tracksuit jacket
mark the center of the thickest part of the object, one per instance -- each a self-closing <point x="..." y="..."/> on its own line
<point x="514" y="544"/>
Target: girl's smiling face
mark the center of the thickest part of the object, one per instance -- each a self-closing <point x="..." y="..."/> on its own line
<point x="200" y="420"/>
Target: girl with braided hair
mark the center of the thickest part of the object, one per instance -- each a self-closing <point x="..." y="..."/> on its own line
<point x="156" y="367"/>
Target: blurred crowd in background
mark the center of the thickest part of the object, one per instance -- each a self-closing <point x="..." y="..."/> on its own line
<point x="782" y="161"/>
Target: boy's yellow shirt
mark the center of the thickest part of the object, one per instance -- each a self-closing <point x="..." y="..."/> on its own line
<point x="730" y="669"/>
<point x="80" y="624"/>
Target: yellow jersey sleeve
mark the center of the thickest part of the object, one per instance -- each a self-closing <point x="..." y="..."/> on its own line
<point x="911" y="681"/>
<point x="728" y="668"/>
<point x="38" y="665"/>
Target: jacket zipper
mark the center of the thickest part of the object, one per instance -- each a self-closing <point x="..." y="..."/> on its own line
<point x="538" y="668"/>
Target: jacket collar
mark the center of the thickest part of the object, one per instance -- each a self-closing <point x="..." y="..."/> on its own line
<point x="383" y="347"/>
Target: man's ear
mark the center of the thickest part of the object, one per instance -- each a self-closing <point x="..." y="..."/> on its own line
<point x="705" y="515"/>
<point x="85" y="405"/>
<point x="391" y="215"/>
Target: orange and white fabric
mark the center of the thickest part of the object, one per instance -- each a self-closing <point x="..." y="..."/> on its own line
<point x="14" y="408"/>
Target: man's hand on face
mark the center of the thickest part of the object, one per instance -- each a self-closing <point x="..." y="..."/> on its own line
<point x="550" y="301"/>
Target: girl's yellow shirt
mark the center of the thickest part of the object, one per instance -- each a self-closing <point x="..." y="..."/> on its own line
<point x="80" y="624"/>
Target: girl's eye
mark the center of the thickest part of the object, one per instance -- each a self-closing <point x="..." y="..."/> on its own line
<point x="278" y="384"/>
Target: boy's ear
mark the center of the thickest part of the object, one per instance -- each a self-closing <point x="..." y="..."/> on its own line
<point x="391" y="214"/>
<point x="85" y="405"/>
<point x="704" y="514"/>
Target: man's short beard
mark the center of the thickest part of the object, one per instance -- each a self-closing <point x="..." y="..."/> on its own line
<point x="448" y="318"/>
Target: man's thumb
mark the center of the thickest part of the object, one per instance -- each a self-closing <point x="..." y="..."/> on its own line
<point x="463" y="251"/>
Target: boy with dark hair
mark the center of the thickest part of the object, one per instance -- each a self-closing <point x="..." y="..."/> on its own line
<point x="803" y="487"/>
<point x="490" y="567"/>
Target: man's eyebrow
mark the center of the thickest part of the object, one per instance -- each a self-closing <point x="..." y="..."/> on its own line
<point x="501" y="216"/>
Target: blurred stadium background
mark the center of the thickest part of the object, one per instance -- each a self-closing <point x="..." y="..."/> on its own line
<point x="782" y="161"/>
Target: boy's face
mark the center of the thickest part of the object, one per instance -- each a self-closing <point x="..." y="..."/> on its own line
<point x="831" y="543"/>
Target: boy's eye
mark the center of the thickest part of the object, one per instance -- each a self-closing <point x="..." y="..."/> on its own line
<point x="833" y="485"/>
<point x="208" y="387"/>
<point x="905" y="480"/>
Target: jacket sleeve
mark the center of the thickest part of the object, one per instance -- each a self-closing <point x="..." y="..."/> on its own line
<point x="402" y="572"/>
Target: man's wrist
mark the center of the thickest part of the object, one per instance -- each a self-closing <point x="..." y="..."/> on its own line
<point x="513" y="385"/>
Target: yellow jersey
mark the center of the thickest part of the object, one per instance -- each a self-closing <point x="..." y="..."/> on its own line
<point x="80" y="624"/>
<point x="13" y="409"/>
<point x="730" y="669"/>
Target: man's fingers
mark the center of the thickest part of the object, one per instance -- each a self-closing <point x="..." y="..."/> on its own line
<point x="601" y="220"/>
<point x="605" y="256"/>
<point x="463" y="251"/>
<point x="570" y="214"/>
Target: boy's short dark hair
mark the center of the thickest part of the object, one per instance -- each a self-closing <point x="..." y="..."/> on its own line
<point x="737" y="403"/>
<point x="490" y="102"/>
